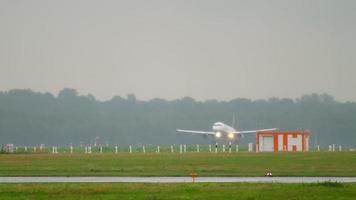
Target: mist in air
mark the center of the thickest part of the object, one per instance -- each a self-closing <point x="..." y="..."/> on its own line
<point x="171" y="49"/>
<point x="131" y="72"/>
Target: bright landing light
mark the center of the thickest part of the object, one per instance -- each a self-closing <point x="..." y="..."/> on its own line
<point x="231" y="135"/>
<point x="217" y="134"/>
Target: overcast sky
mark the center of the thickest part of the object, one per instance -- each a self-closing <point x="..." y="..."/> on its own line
<point x="170" y="49"/>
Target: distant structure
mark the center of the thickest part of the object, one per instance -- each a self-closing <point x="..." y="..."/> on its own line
<point x="9" y="148"/>
<point x="96" y="141"/>
<point x="282" y="141"/>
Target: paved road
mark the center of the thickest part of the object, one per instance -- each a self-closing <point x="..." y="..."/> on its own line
<point x="174" y="179"/>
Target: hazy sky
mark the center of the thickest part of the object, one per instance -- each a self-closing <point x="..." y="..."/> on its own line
<point x="170" y="49"/>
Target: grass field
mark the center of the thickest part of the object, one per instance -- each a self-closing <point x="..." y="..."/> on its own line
<point x="167" y="164"/>
<point x="245" y="191"/>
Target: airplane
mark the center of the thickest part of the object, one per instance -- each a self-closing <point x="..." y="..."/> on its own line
<point x="221" y="130"/>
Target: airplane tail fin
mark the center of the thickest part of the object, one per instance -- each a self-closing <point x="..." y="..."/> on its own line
<point x="233" y="121"/>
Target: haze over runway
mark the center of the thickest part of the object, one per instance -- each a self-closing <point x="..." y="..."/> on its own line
<point x="203" y="49"/>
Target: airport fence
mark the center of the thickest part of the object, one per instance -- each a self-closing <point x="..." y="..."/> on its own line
<point x="149" y="148"/>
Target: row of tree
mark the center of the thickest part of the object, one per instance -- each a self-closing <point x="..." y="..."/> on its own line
<point x="28" y="118"/>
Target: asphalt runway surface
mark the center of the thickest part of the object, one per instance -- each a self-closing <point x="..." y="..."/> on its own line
<point x="175" y="179"/>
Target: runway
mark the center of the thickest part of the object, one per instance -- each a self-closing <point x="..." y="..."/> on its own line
<point x="175" y="179"/>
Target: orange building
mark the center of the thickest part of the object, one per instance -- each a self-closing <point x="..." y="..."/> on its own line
<point x="282" y="141"/>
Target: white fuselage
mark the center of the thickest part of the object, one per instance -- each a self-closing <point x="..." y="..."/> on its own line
<point x="220" y="128"/>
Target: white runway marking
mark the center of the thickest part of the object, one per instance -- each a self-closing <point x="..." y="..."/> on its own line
<point x="175" y="179"/>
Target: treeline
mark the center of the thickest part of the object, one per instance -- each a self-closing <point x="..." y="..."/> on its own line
<point x="28" y="118"/>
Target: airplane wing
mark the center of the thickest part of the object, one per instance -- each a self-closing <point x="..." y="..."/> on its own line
<point x="254" y="131"/>
<point x="196" y="132"/>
